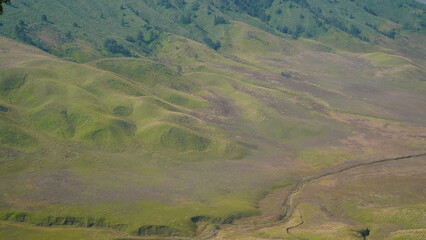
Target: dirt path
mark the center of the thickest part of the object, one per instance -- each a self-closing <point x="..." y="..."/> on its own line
<point x="288" y="205"/>
<point x="288" y="202"/>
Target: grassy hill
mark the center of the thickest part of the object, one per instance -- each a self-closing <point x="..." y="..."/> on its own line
<point x="135" y="119"/>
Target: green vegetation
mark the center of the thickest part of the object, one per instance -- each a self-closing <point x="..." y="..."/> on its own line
<point x="382" y="59"/>
<point x="137" y="28"/>
<point x="1" y="5"/>
<point x="161" y="119"/>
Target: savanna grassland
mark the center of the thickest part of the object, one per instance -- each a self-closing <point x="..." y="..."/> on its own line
<point x="212" y="120"/>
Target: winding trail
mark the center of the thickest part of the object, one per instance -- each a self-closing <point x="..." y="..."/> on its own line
<point x="288" y="205"/>
<point x="295" y="226"/>
<point x="288" y="202"/>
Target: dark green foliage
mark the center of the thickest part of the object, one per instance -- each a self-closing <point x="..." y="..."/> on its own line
<point x="145" y="37"/>
<point x="180" y="3"/>
<point x="21" y="217"/>
<point x="370" y="11"/>
<point x="364" y="233"/>
<point x="298" y="18"/>
<point x="122" y="111"/>
<point x="298" y="32"/>
<point x="158" y="231"/>
<point x="181" y="140"/>
<point x="186" y="19"/>
<point x="84" y="222"/>
<point x="21" y="33"/>
<point x="112" y="46"/>
<point x="254" y="8"/>
<point x="286" y="75"/>
<point x="166" y="3"/>
<point x="195" y="6"/>
<point x="220" y="20"/>
<point x="124" y="23"/>
<point x="4" y="109"/>
<point x="129" y="128"/>
<point x="130" y="39"/>
<point x="1" y="5"/>
<point x="215" y="45"/>
<point x="302" y="3"/>
<point x="215" y="220"/>
<point x="284" y="29"/>
<point x="354" y="31"/>
<point x="12" y="80"/>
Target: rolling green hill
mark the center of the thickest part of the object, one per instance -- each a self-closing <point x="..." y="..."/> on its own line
<point x="146" y="119"/>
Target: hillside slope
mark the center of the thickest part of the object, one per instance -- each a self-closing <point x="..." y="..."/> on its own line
<point x="165" y="132"/>
<point x="79" y="29"/>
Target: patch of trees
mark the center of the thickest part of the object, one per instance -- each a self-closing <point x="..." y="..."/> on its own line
<point x="220" y="20"/>
<point x="195" y="6"/>
<point x="112" y="46"/>
<point x="124" y="23"/>
<point x="166" y="3"/>
<point x="180" y="3"/>
<point x="45" y="19"/>
<point x="144" y="38"/>
<point x="369" y="10"/>
<point x="172" y="3"/>
<point x="215" y="45"/>
<point x="84" y="222"/>
<point x="147" y="36"/>
<point x="68" y="36"/>
<point x="1" y="5"/>
<point x="253" y="8"/>
<point x="391" y="34"/>
<point x="21" y="33"/>
<point x="297" y="32"/>
<point x="372" y="26"/>
<point x="186" y="19"/>
<point x="286" y="74"/>
<point x="354" y="31"/>
<point x="284" y="29"/>
<point x="151" y="230"/>
<point x="303" y="3"/>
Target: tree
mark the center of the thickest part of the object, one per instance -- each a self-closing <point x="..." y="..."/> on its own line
<point x="195" y="6"/>
<point x="68" y="36"/>
<point x="364" y="233"/>
<point x="186" y="19"/>
<point x="1" y="5"/>
<point x="140" y="39"/>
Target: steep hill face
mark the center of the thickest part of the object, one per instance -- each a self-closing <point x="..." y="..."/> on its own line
<point x="80" y="30"/>
<point x="171" y="117"/>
